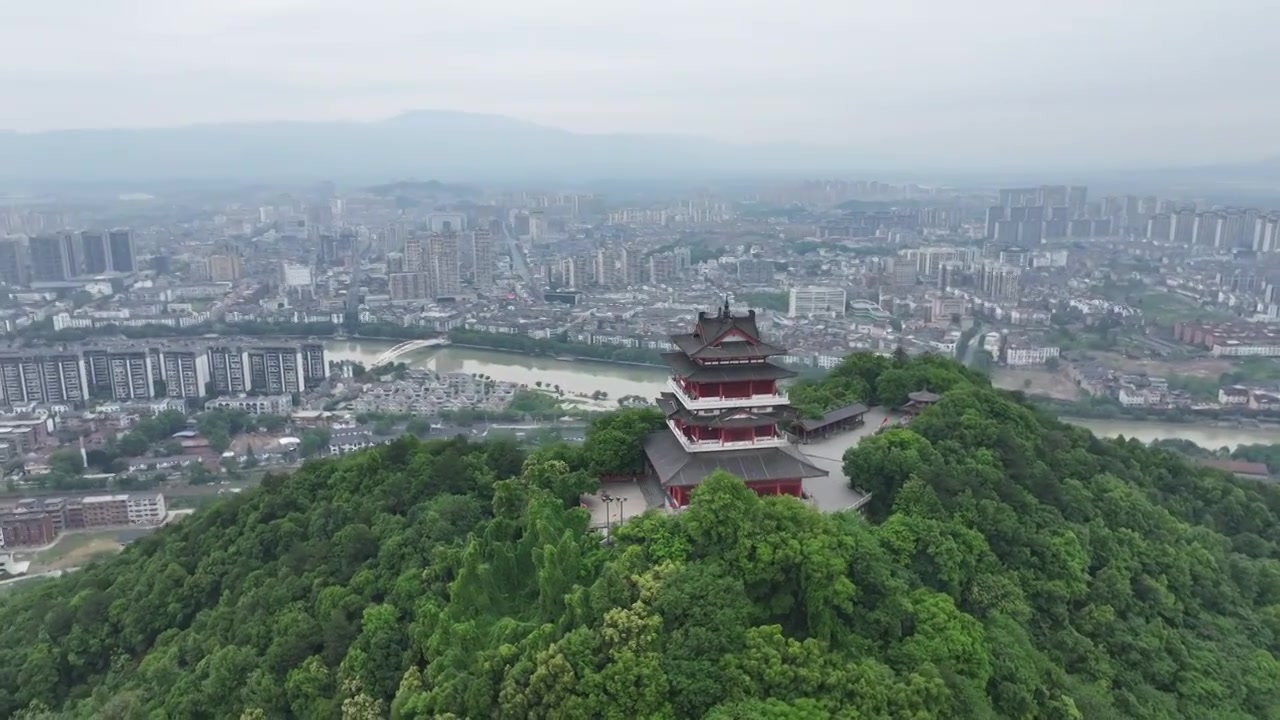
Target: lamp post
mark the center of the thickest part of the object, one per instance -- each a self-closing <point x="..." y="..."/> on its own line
<point x="621" y="509"/>
<point x="607" y="499"/>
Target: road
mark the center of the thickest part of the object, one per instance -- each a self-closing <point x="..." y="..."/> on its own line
<point x="49" y="574"/>
<point x="975" y="345"/>
<point x="524" y="288"/>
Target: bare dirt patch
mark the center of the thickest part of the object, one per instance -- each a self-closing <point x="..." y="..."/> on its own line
<point x="1036" y="382"/>
<point x="95" y="548"/>
<point x="74" y="550"/>
<point x="1206" y="367"/>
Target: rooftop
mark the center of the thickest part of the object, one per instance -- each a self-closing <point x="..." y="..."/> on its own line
<point x="686" y="368"/>
<point x="677" y="467"/>
<point x="723" y="335"/>
<point x="835" y="416"/>
<point x="733" y="417"/>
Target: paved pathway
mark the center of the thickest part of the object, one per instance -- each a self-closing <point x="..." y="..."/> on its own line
<point x="832" y="493"/>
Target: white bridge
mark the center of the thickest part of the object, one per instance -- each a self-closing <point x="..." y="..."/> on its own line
<point x="408" y="346"/>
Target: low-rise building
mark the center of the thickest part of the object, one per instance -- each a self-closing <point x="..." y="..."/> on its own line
<point x="1233" y="395"/>
<point x="253" y="405"/>
<point x="38" y="521"/>
<point x="19" y="529"/>
<point x="1018" y="355"/>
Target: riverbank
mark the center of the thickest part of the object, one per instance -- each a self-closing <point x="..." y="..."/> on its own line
<point x="1113" y="411"/>
<point x="647" y="381"/>
<point x="565" y="357"/>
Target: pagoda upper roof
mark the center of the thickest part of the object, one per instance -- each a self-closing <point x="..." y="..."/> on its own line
<point x="676" y="466"/>
<point x="731" y="418"/>
<point x="723" y="334"/>
<point x="690" y="370"/>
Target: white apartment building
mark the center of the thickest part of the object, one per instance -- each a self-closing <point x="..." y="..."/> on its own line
<point x="1234" y="395"/>
<point x="1235" y="348"/>
<point x="146" y="509"/>
<point x="1026" y="356"/>
<point x="817" y="301"/>
<point x="296" y="275"/>
<point x="1137" y="397"/>
<point x="260" y="405"/>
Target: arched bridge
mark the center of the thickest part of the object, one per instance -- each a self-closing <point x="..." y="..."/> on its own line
<point x="408" y="346"/>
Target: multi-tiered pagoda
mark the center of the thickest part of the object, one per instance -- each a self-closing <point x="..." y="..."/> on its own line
<point x="723" y="408"/>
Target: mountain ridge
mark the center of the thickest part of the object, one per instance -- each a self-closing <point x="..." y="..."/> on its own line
<point x="459" y="145"/>
<point x="482" y="147"/>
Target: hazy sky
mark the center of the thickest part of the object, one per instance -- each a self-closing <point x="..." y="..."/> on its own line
<point x="1161" y="81"/>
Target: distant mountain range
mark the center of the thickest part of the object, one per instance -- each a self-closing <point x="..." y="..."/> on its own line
<point x="425" y="144"/>
<point x="478" y="148"/>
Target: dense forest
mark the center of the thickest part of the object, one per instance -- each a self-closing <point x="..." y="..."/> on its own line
<point x="1009" y="566"/>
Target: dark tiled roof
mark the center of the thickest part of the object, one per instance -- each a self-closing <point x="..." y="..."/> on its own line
<point x="711" y="327"/>
<point x="677" y="467"/>
<point x="734" y="417"/>
<point x="686" y="368"/>
<point x="695" y="347"/>
<point x="835" y="416"/>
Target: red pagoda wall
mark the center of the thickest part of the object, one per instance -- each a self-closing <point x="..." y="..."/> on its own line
<point x="729" y="390"/>
<point x="697" y="433"/>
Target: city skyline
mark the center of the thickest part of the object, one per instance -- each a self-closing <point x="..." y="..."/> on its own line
<point x="921" y="83"/>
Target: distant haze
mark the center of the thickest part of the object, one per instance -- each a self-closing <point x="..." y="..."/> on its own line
<point x="925" y="84"/>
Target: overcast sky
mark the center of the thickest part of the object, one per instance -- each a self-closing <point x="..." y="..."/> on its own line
<point x="1128" y="81"/>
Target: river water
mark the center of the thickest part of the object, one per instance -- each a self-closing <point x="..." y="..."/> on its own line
<point x="583" y="376"/>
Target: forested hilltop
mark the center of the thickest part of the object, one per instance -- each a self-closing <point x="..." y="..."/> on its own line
<point x="1011" y="566"/>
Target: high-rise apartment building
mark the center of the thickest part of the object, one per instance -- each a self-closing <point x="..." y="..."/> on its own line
<point x="49" y="378"/>
<point x="1000" y="281"/>
<point x="1205" y="232"/>
<point x="95" y="251"/>
<point x="225" y="268"/>
<point x="928" y="260"/>
<point x="15" y="262"/>
<point x="1266" y="234"/>
<point x="826" y="301"/>
<point x="482" y="259"/>
<point x="129" y="375"/>
<point x="1019" y="197"/>
<point x="605" y="261"/>
<point x="537" y="226"/>
<point x="1183" y="226"/>
<point x="415" y="254"/>
<point x="275" y="370"/>
<point x="662" y="267"/>
<point x="754" y="271"/>
<point x="1159" y="227"/>
<point x="184" y="372"/>
<point x="1235" y="230"/>
<point x="1051" y="195"/>
<point x="446" y="265"/>
<point x="410" y="286"/>
<point x="228" y="370"/>
<point x="124" y="256"/>
<point x="684" y="259"/>
<point x="632" y="267"/>
<point x="295" y="276"/>
<point x="97" y="373"/>
<point x="445" y="223"/>
<point x="314" y="368"/>
<point x="994" y="216"/>
<point x="1077" y="199"/>
<point x="51" y="258"/>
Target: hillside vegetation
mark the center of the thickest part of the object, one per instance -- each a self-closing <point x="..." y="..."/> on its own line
<point x="1011" y="567"/>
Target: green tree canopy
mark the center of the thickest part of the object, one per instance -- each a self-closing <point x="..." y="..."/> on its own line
<point x="1011" y="567"/>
